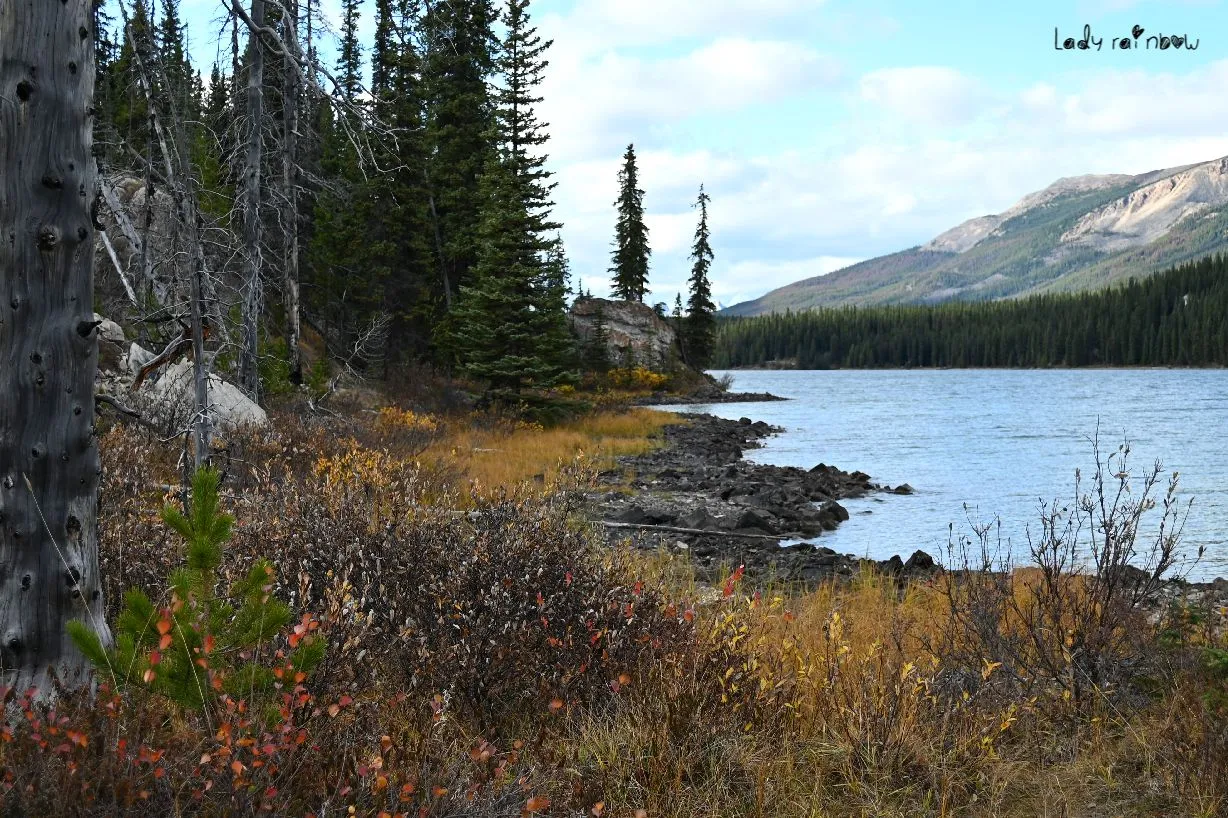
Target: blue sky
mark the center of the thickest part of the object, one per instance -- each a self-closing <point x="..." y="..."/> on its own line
<point x="829" y="131"/>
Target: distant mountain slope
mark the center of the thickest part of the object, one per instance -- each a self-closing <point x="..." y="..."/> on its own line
<point x="1079" y="233"/>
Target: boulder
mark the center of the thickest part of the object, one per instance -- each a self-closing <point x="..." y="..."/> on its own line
<point x="920" y="563"/>
<point x="635" y="334"/>
<point x="110" y="338"/>
<point x="171" y="399"/>
<point x="698" y="519"/>
<point x="137" y="357"/>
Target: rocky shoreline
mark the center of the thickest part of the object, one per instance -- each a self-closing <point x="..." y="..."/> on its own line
<point x="698" y="495"/>
<point x="705" y="397"/>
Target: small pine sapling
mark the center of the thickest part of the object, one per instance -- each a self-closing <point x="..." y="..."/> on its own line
<point x="201" y="645"/>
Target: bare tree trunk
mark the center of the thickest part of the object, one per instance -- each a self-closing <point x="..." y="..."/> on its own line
<point x="49" y="462"/>
<point x="290" y="281"/>
<point x="249" y="373"/>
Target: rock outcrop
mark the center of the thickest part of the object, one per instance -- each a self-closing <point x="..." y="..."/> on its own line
<point x="635" y="334"/>
<point x="171" y="269"/>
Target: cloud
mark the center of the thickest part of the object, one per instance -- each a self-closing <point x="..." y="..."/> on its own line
<point x="597" y="104"/>
<point x="928" y="94"/>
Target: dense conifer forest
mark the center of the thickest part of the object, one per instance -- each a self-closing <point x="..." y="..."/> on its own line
<point x="387" y="200"/>
<point x="1174" y="318"/>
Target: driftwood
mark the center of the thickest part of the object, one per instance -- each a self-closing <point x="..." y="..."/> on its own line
<point x="672" y="529"/>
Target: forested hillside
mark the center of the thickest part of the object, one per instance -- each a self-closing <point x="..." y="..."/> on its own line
<point x="1175" y="318"/>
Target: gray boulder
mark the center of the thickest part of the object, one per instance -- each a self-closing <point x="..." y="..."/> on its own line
<point x="171" y="401"/>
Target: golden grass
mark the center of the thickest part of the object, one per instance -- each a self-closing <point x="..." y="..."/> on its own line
<point x="508" y="457"/>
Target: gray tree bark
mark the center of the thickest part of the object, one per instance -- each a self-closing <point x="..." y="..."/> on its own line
<point x="249" y="373"/>
<point x="49" y="466"/>
<point x="290" y="282"/>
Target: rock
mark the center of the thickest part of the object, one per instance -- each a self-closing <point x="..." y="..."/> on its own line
<point x="137" y="357"/>
<point x="753" y="521"/>
<point x="892" y="567"/>
<point x="745" y="422"/>
<point x="699" y="519"/>
<point x="108" y="330"/>
<point x="904" y="488"/>
<point x="920" y="563"/>
<point x="633" y="514"/>
<point x="171" y="401"/>
<point x="635" y="334"/>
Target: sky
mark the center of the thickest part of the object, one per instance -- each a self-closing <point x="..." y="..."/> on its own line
<point x="831" y="131"/>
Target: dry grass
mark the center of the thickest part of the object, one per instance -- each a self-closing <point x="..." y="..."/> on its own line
<point x="511" y="456"/>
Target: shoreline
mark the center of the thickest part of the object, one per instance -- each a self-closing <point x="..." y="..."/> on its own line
<point x="698" y="495"/>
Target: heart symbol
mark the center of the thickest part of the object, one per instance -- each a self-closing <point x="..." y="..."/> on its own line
<point x="1178" y="42"/>
<point x="1137" y="32"/>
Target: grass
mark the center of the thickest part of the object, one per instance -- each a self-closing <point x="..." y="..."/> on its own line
<point x="505" y="456"/>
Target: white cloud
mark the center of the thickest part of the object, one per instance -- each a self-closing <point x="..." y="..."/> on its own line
<point x="597" y="104"/>
<point x="927" y="94"/>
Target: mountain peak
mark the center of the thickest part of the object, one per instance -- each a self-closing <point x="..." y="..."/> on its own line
<point x="1077" y="233"/>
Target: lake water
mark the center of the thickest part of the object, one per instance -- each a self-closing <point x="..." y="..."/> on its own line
<point x="999" y="441"/>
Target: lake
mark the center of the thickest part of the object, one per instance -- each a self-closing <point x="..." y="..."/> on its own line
<point x="998" y="441"/>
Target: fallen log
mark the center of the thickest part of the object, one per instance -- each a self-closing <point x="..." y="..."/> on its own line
<point x="673" y="529"/>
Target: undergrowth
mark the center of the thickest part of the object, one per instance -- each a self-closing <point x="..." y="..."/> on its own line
<point x="485" y="656"/>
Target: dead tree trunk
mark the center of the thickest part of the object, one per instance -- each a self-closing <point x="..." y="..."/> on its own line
<point x="290" y="288"/>
<point x="249" y="374"/>
<point x="49" y="462"/>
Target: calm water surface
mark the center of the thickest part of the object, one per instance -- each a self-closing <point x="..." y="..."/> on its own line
<point x="998" y="441"/>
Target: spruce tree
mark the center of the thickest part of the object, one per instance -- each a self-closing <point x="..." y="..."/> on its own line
<point x="700" y="328"/>
<point x="176" y="68"/>
<point x="457" y="62"/>
<point x="631" y="251"/>
<point x="511" y="323"/>
<point x="349" y="61"/>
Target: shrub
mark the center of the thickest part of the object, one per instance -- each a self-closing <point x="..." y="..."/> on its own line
<point x="197" y="645"/>
<point x="1073" y="628"/>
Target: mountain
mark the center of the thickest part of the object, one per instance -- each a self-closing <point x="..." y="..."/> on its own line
<point x="1079" y="233"/>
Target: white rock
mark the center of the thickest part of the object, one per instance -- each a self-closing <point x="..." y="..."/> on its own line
<point x="137" y="357"/>
<point x="171" y="400"/>
<point x="108" y="330"/>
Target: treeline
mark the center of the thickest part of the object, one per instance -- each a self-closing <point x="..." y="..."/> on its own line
<point x="397" y="198"/>
<point x="1174" y="318"/>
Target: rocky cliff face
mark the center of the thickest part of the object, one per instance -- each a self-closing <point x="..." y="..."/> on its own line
<point x="635" y="335"/>
<point x="1150" y="211"/>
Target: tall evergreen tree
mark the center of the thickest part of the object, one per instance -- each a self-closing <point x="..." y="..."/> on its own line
<point x="631" y="251"/>
<point x="511" y="322"/>
<point x="457" y="62"/>
<point x="349" y="60"/>
<point x="176" y="67"/>
<point x="700" y="328"/>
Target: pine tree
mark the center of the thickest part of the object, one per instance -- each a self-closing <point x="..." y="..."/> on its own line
<point x="400" y="230"/>
<point x="176" y="68"/>
<point x="631" y="251"/>
<point x="511" y="323"/>
<point x="457" y="62"/>
<point x="677" y="314"/>
<point x="597" y="351"/>
<point x="700" y="326"/>
<point x="349" y="61"/>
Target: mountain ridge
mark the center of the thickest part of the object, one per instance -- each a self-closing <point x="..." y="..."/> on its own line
<point x="1078" y="233"/>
